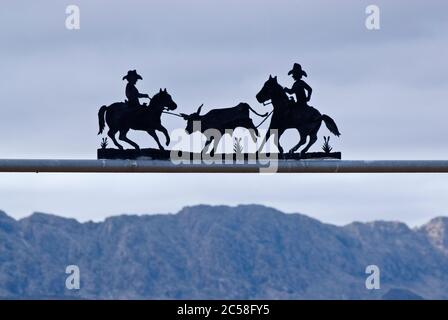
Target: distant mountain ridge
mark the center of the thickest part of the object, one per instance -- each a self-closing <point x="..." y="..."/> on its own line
<point x="221" y="252"/>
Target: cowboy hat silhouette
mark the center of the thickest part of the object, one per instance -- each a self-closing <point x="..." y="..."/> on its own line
<point x="132" y="74"/>
<point x="297" y="68"/>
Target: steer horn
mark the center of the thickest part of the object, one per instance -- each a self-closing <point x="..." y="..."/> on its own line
<point x="199" y="109"/>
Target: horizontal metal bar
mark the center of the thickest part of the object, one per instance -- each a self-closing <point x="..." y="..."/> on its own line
<point x="282" y="166"/>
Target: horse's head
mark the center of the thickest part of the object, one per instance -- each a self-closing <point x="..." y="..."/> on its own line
<point x="162" y="100"/>
<point x="271" y="90"/>
<point x="191" y="118"/>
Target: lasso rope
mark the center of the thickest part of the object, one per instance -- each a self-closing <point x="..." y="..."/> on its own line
<point x="266" y="118"/>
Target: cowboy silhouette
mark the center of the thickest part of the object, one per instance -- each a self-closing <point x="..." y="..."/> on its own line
<point x="131" y="91"/>
<point x="300" y="88"/>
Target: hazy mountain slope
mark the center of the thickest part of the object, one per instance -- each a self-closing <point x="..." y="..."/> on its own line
<point x="244" y="252"/>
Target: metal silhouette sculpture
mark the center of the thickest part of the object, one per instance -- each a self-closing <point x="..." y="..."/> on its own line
<point x="222" y="120"/>
<point x="288" y="115"/>
<point x="123" y="116"/>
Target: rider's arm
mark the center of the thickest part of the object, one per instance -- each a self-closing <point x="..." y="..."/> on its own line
<point x="132" y="92"/>
<point x="143" y="95"/>
<point x="288" y="91"/>
<point x="308" y="89"/>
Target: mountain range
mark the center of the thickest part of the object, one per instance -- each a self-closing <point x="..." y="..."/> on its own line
<point x="220" y="252"/>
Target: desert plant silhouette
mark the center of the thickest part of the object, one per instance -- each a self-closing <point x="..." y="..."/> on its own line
<point x="326" y="146"/>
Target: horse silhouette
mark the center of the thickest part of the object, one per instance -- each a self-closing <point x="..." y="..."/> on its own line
<point x="286" y="115"/>
<point x="120" y="117"/>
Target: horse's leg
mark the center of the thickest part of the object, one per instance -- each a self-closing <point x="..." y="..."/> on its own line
<point x="111" y="133"/>
<point x="123" y="137"/>
<point x="165" y="132"/>
<point x="313" y="136"/>
<point x="277" y="136"/>
<point x="301" y="142"/>
<point x="313" y="139"/>
<point x="153" y="134"/>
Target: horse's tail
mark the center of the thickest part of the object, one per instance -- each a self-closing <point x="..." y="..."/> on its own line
<point x="101" y="121"/>
<point x="260" y="115"/>
<point x="331" y="125"/>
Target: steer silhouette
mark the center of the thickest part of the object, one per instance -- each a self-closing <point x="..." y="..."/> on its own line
<point x="222" y="120"/>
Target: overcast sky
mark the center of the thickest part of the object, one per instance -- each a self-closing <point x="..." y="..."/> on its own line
<point x="387" y="90"/>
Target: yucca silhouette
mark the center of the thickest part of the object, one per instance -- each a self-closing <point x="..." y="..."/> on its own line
<point x="104" y="143"/>
<point x="326" y="146"/>
<point x="237" y="146"/>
